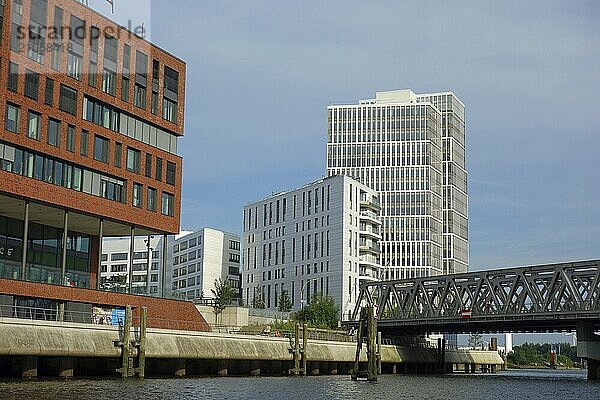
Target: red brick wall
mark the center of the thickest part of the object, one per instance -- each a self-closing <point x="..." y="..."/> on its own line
<point x="67" y="198"/>
<point x="162" y="313"/>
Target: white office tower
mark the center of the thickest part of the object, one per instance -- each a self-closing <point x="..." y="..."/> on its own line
<point x="319" y="239"/>
<point x="146" y="273"/>
<point x="410" y="148"/>
<point x="200" y="258"/>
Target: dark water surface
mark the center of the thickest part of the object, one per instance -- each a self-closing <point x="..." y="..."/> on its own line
<point x="523" y="384"/>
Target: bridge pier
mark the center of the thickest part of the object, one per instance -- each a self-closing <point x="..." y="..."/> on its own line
<point x="588" y="347"/>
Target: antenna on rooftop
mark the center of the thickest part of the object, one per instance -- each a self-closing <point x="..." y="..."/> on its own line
<point x="112" y="5"/>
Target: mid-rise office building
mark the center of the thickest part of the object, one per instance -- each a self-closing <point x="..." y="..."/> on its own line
<point x="319" y="239"/>
<point x="202" y="257"/>
<point x="409" y="148"/>
<point x="90" y="115"/>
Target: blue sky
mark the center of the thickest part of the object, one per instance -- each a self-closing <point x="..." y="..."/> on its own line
<point x="261" y="74"/>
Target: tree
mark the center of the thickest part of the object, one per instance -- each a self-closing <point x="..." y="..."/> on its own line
<point x="258" y="301"/>
<point x="285" y="303"/>
<point x="223" y="294"/>
<point x="475" y="340"/>
<point x="321" y="311"/>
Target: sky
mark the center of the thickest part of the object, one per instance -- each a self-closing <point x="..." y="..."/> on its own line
<point x="260" y="75"/>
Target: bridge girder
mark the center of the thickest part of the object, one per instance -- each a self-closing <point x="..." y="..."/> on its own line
<point x="535" y="299"/>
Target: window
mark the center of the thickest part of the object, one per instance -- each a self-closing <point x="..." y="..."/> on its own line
<point x="151" y="199"/>
<point x="137" y="195"/>
<point x="126" y="72"/>
<point x="118" y="154"/>
<point x="49" y="93"/>
<point x="75" y="54"/>
<point x="148" y="168"/>
<point x="54" y="132"/>
<point x="170" y="173"/>
<point x="171" y="90"/>
<point x="37" y="28"/>
<point x="93" y="65"/>
<point x="119" y="256"/>
<point x="101" y="149"/>
<point x="141" y="79"/>
<point x="168" y="204"/>
<point x="109" y="76"/>
<point x="32" y="84"/>
<point x="68" y="100"/>
<point x="159" y="163"/>
<point x="13" y="117"/>
<point x="13" y="76"/>
<point x="170" y="110"/>
<point x="70" y="138"/>
<point x="133" y="160"/>
<point x="83" y="146"/>
<point x="33" y="130"/>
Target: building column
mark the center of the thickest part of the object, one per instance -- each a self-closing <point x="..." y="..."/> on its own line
<point x="131" y="252"/>
<point x="25" y="240"/>
<point x="163" y="285"/>
<point x="100" y="237"/>
<point x="64" y="249"/>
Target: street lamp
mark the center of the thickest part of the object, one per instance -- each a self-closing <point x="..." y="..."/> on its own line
<point x="148" y="269"/>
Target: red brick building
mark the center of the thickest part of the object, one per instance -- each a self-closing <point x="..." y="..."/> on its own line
<point x="90" y="115"/>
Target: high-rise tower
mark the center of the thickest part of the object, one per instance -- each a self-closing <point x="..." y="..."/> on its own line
<point x="411" y="149"/>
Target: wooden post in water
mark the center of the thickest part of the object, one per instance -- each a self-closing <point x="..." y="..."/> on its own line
<point x="304" y="349"/>
<point x="359" y="339"/>
<point x="126" y="369"/>
<point x="371" y="345"/>
<point x="141" y="369"/>
<point x="296" y="350"/>
<point x="379" y="366"/>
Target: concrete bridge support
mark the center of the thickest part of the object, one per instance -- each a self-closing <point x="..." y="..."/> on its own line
<point x="588" y="347"/>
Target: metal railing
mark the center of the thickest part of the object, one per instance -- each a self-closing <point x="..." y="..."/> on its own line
<point x="47" y="314"/>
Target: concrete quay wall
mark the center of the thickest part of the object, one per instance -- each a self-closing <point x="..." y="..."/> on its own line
<point x="23" y="342"/>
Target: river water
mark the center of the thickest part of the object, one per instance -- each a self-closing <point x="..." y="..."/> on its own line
<point x="521" y="384"/>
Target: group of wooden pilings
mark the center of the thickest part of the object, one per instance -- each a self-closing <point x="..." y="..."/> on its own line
<point x="367" y="328"/>
<point x="133" y="349"/>
<point x="299" y="353"/>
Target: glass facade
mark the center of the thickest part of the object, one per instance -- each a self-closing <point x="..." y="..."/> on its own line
<point x="44" y="254"/>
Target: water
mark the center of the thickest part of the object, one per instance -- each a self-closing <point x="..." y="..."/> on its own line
<point x="522" y="384"/>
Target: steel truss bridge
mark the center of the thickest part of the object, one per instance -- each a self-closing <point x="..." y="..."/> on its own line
<point x="543" y="298"/>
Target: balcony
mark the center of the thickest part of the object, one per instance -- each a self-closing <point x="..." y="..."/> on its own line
<point x="369" y="231"/>
<point x="372" y="203"/>
<point x="369" y="248"/>
<point x="370" y="217"/>
<point x="369" y="261"/>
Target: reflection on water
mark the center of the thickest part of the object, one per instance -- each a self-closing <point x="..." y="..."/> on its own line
<point x="520" y="384"/>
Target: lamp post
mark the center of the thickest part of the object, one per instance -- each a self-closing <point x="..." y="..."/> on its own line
<point x="147" y="242"/>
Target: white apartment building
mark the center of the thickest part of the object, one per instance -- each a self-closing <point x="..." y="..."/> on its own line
<point x="146" y="275"/>
<point x="201" y="257"/>
<point x="319" y="239"/>
<point x="410" y="148"/>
